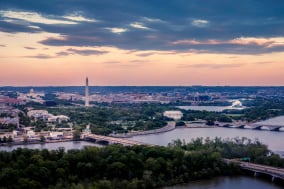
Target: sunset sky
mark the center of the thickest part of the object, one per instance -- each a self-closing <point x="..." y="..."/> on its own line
<point x="141" y="42"/>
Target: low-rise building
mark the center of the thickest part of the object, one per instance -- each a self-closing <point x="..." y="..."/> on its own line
<point x="173" y="114"/>
<point x="55" y="135"/>
<point x="30" y="134"/>
<point x="10" y="120"/>
<point x="58" y="118"/>
<point x="39" y="114"/>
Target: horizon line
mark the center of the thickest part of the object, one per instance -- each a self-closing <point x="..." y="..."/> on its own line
<point x="143" y="86"/>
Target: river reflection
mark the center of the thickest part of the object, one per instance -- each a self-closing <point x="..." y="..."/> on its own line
<point x="51" y="146"/>
<point x="274" y="140"/>
<point x="228" y="183"/>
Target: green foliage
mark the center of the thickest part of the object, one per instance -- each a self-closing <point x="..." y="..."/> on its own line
<point x="120" y="118"/>
<point x="42" y="138"/>
<point x="210" y="117"/>
<point x="113" y="166"/>
<point x="263" y="109"/>
<point x="116" y="166"/>
<point x="24" y="119"/>
<point x="76" y="135"/>
<point x="180" y="123"/>
<point x="233" y="148"/>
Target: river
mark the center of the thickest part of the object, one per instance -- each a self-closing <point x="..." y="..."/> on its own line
<point x="228" y="183"/>
<point x="274" y="140"/>
<point x="51" y="146"/>
<point x="210" y="108"/>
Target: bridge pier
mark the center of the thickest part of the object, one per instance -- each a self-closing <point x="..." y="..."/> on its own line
<point x="257" y="128"/>
<point x="272" y="179"/>
<point x="276" y="129"/>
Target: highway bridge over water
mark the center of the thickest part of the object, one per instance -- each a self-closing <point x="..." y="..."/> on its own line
<point x="256" y="126"/>
<point x="111" y="140"/>
<point x="258" y="170"/>
<point x="275" y="173"/>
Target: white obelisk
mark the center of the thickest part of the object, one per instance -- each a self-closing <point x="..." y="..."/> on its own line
<point x="87" y="93"/>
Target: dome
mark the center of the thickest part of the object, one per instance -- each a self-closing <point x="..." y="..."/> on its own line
<point x="237" y="103"/>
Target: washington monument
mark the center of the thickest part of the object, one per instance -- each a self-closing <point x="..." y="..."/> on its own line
<point x="87" y="93"/>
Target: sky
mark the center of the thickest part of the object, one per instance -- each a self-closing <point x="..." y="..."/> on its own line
<point x="141" y="42"/>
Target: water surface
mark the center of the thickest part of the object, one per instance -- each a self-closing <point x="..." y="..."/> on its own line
<point x="228" y="183"/>
<point x="274" y="140"/>
<point x="51" y="146"/>
<point x="209" y="108"/>
<point x="279" y="121"/>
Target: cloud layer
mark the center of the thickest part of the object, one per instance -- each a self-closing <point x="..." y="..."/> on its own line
<point x="249" y="27"/>
<point x="149" y="42"/>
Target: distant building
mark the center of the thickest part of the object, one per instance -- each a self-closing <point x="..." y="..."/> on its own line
<point x="39" y="114"/>
<point x="10" y="120"/>
<point x="15" y="133"/>
<point x="58" y="118"/>
<point x="30" y="134"/>
<point x="173" y="114"/>
<point x="237" y="104"/>
<point x="55" y="135"/>
<point x="45" y="116"/>
<point x="5" y="100"/>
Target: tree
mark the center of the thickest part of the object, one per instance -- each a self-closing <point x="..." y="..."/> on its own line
<point x="76" y="135"/>
<point x="180" y="123"/>
<point x="210" y="122"/>
<point x="10" y="139"/>
<point x="42" y="138"/>
<point x="25" y="139"/>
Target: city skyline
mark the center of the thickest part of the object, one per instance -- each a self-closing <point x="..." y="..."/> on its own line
<point x="142" y="43"/>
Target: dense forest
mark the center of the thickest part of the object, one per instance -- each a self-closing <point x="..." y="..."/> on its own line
<point x="116" y="166"/>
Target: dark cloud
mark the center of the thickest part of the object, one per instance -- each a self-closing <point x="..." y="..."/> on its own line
<point x="138" y="61"/>
<point x="1" y="45"/>
<point x="145" y="54"/>
<point x="16" y="27"/>
<point x="40" y="56"/>
<point x="154" y="25"/>
<point x="84" y="52"/>
<point x="30" y="48"/>
<point x="63" y="53"/>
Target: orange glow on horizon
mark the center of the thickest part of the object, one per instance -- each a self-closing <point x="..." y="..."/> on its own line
<point x="25" y="62"/>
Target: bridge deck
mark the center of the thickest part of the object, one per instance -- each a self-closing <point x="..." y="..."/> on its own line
<point x="273" y="171"/>
<point x="114" y="140"/>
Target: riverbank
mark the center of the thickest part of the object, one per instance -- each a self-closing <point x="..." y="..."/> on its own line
<point x="169" y="127"/>
<point x="35" y="142"/>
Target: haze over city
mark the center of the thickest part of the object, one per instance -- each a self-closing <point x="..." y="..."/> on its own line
<point x="129" y="42"/>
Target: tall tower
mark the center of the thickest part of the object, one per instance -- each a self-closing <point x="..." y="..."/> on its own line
<point x="87" y="92"/>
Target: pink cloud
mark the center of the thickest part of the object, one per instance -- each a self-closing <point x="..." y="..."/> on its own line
<point x="265" y="42"/>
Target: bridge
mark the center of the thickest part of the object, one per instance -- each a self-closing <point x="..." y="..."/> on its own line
<point x="111" y="140"/>
<point x="267" y="127"/>
<point x="275" y="173"/>
<point x="256" y="127"/>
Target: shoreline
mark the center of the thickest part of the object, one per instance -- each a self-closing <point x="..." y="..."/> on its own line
<point x="169" y="127"/>
<point x="35" y="142"/>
